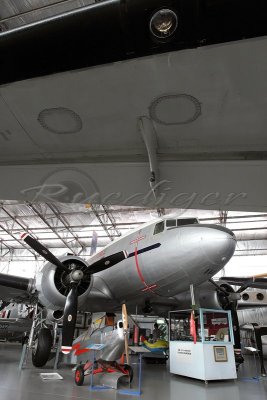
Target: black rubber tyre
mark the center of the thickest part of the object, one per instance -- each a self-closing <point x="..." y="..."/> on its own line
<point x="42" y="348"/>
<point x="79" y="375"/>
<point x="128" y="368"/>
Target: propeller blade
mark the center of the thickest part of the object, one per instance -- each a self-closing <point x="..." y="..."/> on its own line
<point x="125" y="327"/>
<point x="69" y="319"/>
<point x="43" y="251"/>
<point x="107" y="262"/>
<point x="260" y="276"/>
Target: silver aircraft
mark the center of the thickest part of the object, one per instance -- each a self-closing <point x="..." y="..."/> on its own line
<point x="146" y="268"/>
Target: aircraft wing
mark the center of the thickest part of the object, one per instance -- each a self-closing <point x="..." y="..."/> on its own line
<point x="260" y="283"/>
<point x="15" y="288"/>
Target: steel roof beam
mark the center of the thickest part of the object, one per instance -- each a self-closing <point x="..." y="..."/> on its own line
<point x="49" y="226"/>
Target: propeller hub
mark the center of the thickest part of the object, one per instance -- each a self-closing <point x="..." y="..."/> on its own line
<point x="77" y="275"/>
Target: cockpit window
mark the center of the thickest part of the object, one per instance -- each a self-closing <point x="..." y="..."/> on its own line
<point x="187" y="221"/>
<point x="170" y="223"/>
<point x="159" y="227"/>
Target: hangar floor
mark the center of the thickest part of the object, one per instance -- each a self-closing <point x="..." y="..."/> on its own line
<point x="157" y="383"/>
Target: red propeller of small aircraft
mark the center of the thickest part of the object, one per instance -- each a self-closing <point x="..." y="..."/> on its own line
<point x="73" y="279"/>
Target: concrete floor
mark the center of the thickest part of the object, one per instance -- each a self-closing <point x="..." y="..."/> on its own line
<point x="157" y="384"/>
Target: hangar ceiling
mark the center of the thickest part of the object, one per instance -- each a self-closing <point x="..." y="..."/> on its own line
<point x="15" y="13"/>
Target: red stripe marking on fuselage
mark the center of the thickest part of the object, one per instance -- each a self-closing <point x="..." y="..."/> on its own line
<point x="147" y="287"/>
<point x="137" y="239"/>
<point x="137" y="266"/>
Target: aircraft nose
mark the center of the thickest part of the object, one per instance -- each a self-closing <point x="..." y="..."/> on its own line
<point x="217" y="244"/>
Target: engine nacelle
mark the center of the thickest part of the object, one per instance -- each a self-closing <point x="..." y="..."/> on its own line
<point x="51" y="288"/>
<point x="207" y="296"/>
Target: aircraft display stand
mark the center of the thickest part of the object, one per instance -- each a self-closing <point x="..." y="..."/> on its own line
<point x="105" y="380"/>
<point x="24" y="356"/>
<point x="211" y="357"/>
<point x="255" y="352"/>
<point x="140" y="350"/>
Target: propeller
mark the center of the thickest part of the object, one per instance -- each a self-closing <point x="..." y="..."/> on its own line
<point x="125" y="327"/>
<point x="72" y="280"/>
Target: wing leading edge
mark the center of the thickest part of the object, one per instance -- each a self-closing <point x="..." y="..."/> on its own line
<point x="245" y="282"/>
<point x="15" y="288"/>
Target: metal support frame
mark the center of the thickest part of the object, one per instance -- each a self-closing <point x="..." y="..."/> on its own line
<point x="63" y="221"/>
<point x="9" y="232"/>
<point x="58" y="345"/>
<point x="39" y="214"/>
<point x="104" y="215"/>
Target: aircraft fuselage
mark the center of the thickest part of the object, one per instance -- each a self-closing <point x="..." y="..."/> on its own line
<point x="163" y="264"/>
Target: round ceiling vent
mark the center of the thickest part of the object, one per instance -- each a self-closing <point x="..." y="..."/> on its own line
<point x="175" y="109"/>
<point x="60" y="120"/>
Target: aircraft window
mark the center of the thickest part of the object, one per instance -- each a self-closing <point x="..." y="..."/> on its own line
<point x="170" y="223"/>
<point x="159" y="227"/>
<point x="187" y="221"/>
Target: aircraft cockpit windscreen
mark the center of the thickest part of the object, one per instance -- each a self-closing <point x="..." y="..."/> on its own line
<point x="187" y="221"/>
<point x="159" y="227"/>
<point x="172" y="223"/>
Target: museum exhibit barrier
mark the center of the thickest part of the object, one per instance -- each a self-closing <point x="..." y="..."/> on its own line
<point x="202" y="344"/>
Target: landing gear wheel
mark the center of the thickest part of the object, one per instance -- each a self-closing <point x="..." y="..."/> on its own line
<point x="42" y="347"/>
<point x="128" y="368"/>
<point x="79" y="375"/>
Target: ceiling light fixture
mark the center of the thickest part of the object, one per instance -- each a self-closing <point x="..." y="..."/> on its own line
<point x="163" y="23"/>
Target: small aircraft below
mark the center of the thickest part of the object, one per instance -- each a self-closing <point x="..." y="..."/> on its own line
<point x="109" y="343"/>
